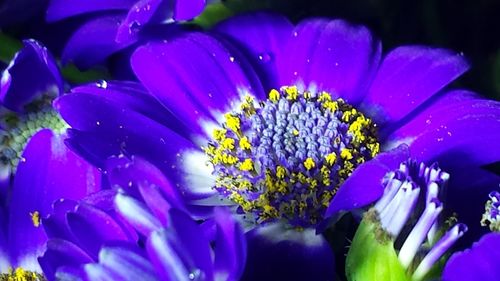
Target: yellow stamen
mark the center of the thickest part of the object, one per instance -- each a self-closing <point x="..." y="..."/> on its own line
<point x="244" y="143"/>
<point x="309" y="163"/>
<point x="35" y="218"/>
<point x="346" y="154"/>
<point x="274" y="95"/>
<point x="247" y="165"/>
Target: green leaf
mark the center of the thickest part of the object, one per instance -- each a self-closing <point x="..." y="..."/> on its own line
<point x="8" y="47"/>
<point x="213" y="14"/>
<point x="73" y="75"/>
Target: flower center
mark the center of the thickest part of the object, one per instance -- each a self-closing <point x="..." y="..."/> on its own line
<point x="284" y="158"/>
<point x="491" y="216"/>
<point x="21" y="274"/>
<point x="19" y="128"/>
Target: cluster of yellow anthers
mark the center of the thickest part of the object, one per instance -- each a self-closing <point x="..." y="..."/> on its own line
<point x="240" y="176"/>
<point x="20" y="274"/>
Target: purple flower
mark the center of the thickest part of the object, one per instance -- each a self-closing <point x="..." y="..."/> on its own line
<point x="138" y="230"/>
<point x="481" y="261"/>
<point x="289" y="125"/>
<point x="36" y="166"/>
<point x="112" y="25"/>
<point x="411" y="203"/>
<point x="491" y="217"/>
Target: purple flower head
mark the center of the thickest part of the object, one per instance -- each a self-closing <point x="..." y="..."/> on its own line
<point x="411" y="194"/>
<point x="36" y="166"/>
<point x="481" y="260"/>
<point x="139" y="229"/>
<point x="491" y="217"/>
<point x="112" y="25"/>
<point x="287" y="124"/>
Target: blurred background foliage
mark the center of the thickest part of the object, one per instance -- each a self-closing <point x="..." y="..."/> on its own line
<point x="468" y="26"/>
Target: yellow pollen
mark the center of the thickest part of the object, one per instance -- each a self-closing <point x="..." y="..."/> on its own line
<point x="233" y="122"/>
<point x="227" y="144"/>
<point x="374" y="148"/>
<point x="280" y="172"/>
<point x="331" y="105"/>
<point x="274" y="95"/>
<point x="35" y="218"/>
<point x="219" y="134"/>
<point x="346" y="116"/>
<point x="331" y="158"/>
<point x="324" y="97"/>
<point x="346" y="154"/>
<point x="19" y="274"/>
<point x="247" y="165"/>
<point x="247" y="106"/>
<point x="309" y="163"/>
<point x="262" y="181"/>
<point x="291" y="93"/>
<point x="244" y="143"/>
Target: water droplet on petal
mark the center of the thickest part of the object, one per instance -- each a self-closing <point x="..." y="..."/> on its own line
<point x="265" y="57"/>
<point x="134" y="26"/>
<point x="231" y="59"/>
<point x="102" y="84"/>
<point x="195" y="274"/>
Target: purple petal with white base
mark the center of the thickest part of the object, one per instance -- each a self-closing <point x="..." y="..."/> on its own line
<point x="124" y="130"/>
<point x="231" y="247"/>
<point x="61" y="253"/>
<point x="364" y="186"/>
<point x="126" y="262"/>
<point x="199" y="82"/>
<point x="93" y="227"/>
<point x="38" y="182"/>
<point x="137" y="214"/>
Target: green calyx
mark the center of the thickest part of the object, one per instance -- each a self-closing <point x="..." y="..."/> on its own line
<point x="19" y="128"/>
<point x="372" y="255"/>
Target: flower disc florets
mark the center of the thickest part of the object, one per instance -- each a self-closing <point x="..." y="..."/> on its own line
<point x="19" y="128"/>
<point x="284" y="158"/>
<point x="491" y="216"/>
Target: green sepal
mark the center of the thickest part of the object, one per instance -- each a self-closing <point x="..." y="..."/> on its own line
<point x="372" y="255"/>
<point x="213" y="14"/>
